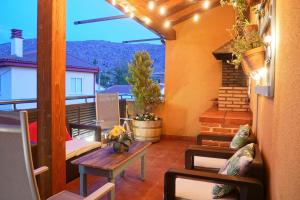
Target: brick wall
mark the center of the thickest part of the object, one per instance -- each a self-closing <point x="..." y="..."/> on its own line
<point x="233" y="99"/>
<point x="232" y="77"/>
<point x="217" y="128"/>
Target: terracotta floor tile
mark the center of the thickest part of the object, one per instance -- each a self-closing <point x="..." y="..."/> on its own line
<point x="160" y="157"/>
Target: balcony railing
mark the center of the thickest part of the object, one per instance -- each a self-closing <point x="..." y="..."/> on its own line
<point x="24" y="104"/>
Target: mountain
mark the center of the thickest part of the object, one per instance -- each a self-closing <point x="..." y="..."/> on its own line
<point x="107" y="54"/>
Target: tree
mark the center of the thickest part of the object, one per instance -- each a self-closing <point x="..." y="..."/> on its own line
<point x="119" y="75"/>
<point x="145" y="91"/>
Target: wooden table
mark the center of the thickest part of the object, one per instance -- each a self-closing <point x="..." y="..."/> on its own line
<point x="105" y="162"/>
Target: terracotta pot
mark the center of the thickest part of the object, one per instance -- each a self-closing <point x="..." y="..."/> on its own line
<point x="250" y="28"/>
<point x="147" y="130"/>
<point x="253" y="2"/>
<point x="253" y="59"/>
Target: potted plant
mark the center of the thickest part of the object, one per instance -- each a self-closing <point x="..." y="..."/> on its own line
<point x="119" y="140"/>
<point x="146" y="125"/>
<point x="247" y="47"/>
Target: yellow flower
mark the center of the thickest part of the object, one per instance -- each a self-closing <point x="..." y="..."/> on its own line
<point x="116" y="131"/>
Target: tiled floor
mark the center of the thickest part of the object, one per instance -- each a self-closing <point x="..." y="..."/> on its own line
<point x="160" y="157"/>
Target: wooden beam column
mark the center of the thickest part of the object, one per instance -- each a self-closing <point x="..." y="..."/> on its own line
<point x="51" y="60"/>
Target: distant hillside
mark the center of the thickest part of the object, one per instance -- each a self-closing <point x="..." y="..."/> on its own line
<point x="107" y="54"/>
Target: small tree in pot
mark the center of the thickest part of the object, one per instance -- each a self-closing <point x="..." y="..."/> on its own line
<point x="146" y="125"/>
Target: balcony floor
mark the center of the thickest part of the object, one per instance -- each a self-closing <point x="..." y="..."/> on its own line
<point x="160" y="157"/>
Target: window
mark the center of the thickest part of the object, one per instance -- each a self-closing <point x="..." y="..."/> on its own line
<point x="76" y="85"/>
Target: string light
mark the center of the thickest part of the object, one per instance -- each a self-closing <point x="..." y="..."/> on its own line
<point x="147" y="20"/>
<point x="113" y="2"/>
<point x="151" y="5"/>
<point x="162" y="10"/>
<point x="206" y="4"/>
<point x="167" y="24"/>
<point x="196" y="17"/>
<point x="132" y="15"/>
<point x="126" y="9"/>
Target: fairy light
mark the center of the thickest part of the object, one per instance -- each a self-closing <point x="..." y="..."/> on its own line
<point x="206" y="4"/>
<point x="132" y="15"/>
<point x="162" y="10"/>
<point x="126" y="9"/>
<point x="167" y="24"/>
<point x="151" y="5"/>
<point x="196" y="17"/>
<point x="147" y="20"/>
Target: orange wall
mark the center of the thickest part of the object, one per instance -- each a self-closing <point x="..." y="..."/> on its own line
<point x="278" y="125"/>
<point x="193" y="75"/>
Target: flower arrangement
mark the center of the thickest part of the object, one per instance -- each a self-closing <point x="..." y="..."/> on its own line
<point x="119" y="139"/>
<point x="147" y="117"/>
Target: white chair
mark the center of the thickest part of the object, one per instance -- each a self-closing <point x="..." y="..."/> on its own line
<point x="108" y="111"/>
<point x="16" y="168"/>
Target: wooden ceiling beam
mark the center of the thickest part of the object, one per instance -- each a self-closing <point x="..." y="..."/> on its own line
<point x="190" y="11"/>
<point x="181" y="6"/>
<point x="156" y="25"/>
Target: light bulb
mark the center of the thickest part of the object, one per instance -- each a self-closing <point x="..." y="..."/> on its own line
<point x="162" y="10"/>
<point x="132" y="15"/>
<point x="268" y="39"/>
<point x="126" y="9"/>
<point x="151" y="5"/>
<point x="113" y="2"/>
<point x="206" y="4"/>
<point x="167" y="24"/>
<point x="147" y="20"/>
<point x="196" y="17"/>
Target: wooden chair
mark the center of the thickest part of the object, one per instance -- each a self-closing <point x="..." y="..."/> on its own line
<point x="201" y="156"/>
<point x="198" y="184"/>
<point x="16" y="169"/>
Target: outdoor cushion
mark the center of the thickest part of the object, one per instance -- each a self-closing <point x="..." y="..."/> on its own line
<point x="197" y="190"/>
<point x="77" y="147"/>
<point x="237" y="165"/>
<point x="208" y="162"/>
<point x="33" y="133"/>
<point x="241" y="137"/>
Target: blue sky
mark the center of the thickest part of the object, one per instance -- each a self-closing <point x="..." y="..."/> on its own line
<point x="22" y="14"/>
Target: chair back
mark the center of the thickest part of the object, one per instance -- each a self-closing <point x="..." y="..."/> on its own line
<point x="107" y="109"/>
<point x="16" y="169"/>
<point x="256" y="169"/>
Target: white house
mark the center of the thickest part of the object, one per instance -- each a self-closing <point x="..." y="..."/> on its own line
<point x="18" y="73"/>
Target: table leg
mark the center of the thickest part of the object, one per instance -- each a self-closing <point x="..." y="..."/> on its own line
<point x="122" y="174"/>
<point x="111" y="195"/>
<point x="83" y="187"/>
<point x="143" y="167"/>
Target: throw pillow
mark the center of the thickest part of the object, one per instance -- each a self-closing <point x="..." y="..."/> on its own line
<point x="241" y="137"/>
<point x="33" y="133"/>
<point x="237" y="165"/>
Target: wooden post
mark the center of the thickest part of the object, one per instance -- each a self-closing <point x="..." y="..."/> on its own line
<point x="51" y="60"/>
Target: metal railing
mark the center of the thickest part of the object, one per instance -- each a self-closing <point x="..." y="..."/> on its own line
<point x="14" y="103"/>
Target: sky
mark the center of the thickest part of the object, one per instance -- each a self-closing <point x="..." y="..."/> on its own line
<point x="22" y="14"/>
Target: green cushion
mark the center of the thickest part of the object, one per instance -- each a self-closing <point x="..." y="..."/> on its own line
<point x="237" y="165"/>
<point x="241" y="137"/>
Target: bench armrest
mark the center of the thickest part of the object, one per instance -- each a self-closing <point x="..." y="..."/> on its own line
<point x="250" y="188"/>
<point x="98" y="194"/>
<point x="40" y="170"/>
<point x="203" y="151"/>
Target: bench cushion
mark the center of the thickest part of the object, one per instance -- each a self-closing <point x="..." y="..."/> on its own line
<point x="77" y="147"/>
<point x="187" y="189"/>
<point x="208" y="162"/>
